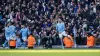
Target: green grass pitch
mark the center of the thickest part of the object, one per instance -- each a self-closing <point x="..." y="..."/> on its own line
<point x="51" y="52"/>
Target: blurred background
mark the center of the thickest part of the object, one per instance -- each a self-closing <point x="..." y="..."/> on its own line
<point x="41" y="17"/>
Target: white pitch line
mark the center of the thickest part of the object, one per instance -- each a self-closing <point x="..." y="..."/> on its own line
<point x="47" y="51"/>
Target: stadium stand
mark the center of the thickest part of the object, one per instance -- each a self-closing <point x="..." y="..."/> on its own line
<point x="41" y="16"/>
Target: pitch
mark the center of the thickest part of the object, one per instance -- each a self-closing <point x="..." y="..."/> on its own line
<point x="51" y="52"/>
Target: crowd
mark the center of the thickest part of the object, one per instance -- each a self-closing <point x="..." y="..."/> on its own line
<point x="41" y="17"/>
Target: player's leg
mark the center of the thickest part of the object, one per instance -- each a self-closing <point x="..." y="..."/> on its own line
<point x="39" y="42"/>
<point x="62" y="35"/>
<point x="24" y="42"/>
<point x="17" y="44"/>
<point x="6" y="43"/>
<point x="75" y="45"/>
<point x="61" y="40"/>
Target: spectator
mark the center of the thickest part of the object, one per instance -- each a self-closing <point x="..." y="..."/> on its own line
<point x="77" y="15"/>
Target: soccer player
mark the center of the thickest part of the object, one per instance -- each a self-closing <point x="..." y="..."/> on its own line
<point x="60" y="28"/>
<point x="7" y="35"/>
<point x="12" y="28"/>
<point x="12" y="37"/>
<point x="24" y="33"/>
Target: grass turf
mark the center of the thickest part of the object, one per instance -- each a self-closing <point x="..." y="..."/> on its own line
<point x="50" y="52"/>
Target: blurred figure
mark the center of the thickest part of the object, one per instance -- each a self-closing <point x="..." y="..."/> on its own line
<point x="75" y="35"/>
<point x="24" y="33"/>
<point x="44" y="39"/>
<point x="90" y="40"/>
<point x="68" y="40"/>
<point x="31" y="41"/>
<point x="60" y="28"/>
<point x="12" y="43"/>
<point x="7" y="35"/>
<point x="12" y="28"/>
<point x="18" y="41"/>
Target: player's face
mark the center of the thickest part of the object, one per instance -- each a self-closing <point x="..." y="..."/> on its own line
<point x="8" y="24"/>
<point x="59" y="21"/>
